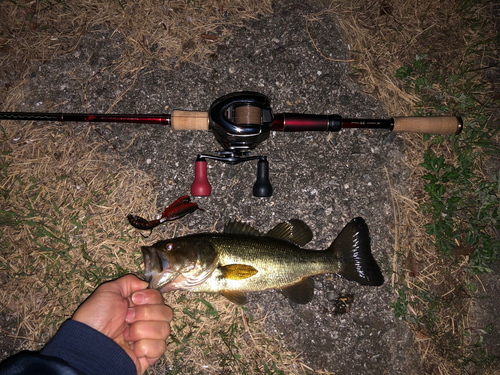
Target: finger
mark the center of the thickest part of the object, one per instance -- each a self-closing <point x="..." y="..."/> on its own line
<point x="147" y="330"/>
<point x="149" y="313"/>
<point x="131" y="284"/>
<point x="145" y="363"/>
<point x="147" y="297"/>
<point x="125" y="285"/>
<point x="147" y="348"/>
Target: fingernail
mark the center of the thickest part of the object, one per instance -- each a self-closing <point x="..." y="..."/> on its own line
<point x="130" y="315"/>
<point x="138" y="298"/>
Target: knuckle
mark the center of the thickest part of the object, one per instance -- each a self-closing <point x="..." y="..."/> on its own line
<point x="169" y="313"/>
<point x="165" y="331"/>
<point x="149" y="348"/>
<point x="162" y="346"/>
<point x="135" y="330"/>
<point x="146" y="312"/>
<point x="141" y="348"/>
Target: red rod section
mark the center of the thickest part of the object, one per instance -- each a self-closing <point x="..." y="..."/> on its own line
<point x="135" y="119"/>
<point x="298" y="122"/>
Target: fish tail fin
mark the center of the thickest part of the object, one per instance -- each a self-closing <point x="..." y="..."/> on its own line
<point x="352" y="248"/>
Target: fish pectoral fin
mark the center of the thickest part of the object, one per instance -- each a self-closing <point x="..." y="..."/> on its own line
<point x="237" y="271"/>
<point x="301" y="292"/>
<point x="294" y="231"/>
<point x="236" y="297"/>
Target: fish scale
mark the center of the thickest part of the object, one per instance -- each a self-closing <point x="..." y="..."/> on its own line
<point x="279" y="263"/>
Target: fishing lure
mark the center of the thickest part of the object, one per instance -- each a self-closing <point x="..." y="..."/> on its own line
<point x="180" y="208"/>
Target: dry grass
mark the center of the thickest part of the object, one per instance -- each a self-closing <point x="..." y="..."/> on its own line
<point x="64" y="231"/>
<point x="385" y="36"/>
<point x="64" y="201"/>
<point x="161" y="34"/>
<point x="64" y="226"/>
<point x="65" y="195"/>
<point x="216" y="336"/>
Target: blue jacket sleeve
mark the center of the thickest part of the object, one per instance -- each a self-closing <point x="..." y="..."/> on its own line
<point x="76" y="349"/>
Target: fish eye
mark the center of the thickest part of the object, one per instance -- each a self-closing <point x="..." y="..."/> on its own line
<point x="169" y="246"/>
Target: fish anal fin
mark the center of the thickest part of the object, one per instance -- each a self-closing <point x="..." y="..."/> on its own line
<point x="237" y="227"/>
<point x="236" y="297"/>
<point x="294" y="231"/>
<point x="237" y="271"/>
<point x="301" y="292"/>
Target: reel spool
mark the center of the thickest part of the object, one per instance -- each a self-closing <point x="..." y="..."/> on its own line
<point x="240" y="122"/>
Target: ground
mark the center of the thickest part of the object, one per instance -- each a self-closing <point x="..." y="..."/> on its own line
<point x="323" y="179"/>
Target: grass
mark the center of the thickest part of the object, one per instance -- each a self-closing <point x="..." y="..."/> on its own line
<point x="156" y="35"/>
<point x="57" y="219"/>
<point x="212" y="335"/>
<point x="64" y="233"/>
<point x="461" y="202"/>
<point x="64" y="195"/>
<point x="462" y="211"/>
<point x="432" y="58"/>
<point x="422" y="58"/>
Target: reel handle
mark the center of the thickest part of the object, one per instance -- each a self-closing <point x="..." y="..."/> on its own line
<point x="262" y="186"/>
<point x="200" y="187"/>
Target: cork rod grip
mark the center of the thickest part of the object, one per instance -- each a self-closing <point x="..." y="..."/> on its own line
<point x="189" y="120"/>
<point x="444" y="125"/>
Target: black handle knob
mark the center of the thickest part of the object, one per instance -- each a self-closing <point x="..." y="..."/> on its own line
<point x="262" y="187"/>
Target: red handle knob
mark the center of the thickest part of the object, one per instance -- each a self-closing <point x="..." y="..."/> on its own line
<point x="200" y="187"/>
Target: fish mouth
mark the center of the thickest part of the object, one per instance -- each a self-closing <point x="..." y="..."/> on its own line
<point x="163" y="273"/>
<point x="152" y="263"/>
<point x="158" y="272"/>
<point x="156" y="268"/>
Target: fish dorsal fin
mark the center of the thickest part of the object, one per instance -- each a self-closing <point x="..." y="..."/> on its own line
<point x="301" y="292"/>
<point x="237" y="227"/>
<point x="236" y="297"/>
<point x="295" y="231"/>
<point x="237" y="271"/>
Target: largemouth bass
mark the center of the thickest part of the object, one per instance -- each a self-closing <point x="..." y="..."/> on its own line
<point x="243" y="259"/>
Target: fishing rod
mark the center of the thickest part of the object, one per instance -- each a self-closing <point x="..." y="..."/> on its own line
<point x="241" y="121"/>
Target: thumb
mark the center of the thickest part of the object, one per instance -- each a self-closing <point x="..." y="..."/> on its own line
<point x="126" y="285"/>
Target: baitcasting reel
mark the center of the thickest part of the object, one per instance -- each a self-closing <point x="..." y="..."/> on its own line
<point x="240" y="122"/>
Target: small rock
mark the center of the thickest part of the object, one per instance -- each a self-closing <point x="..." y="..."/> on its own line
<point x="319" y="211"/>
<point x="388" y="138"/>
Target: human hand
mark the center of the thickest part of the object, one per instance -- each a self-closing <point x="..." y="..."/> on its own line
<point x="134" y="317"/>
